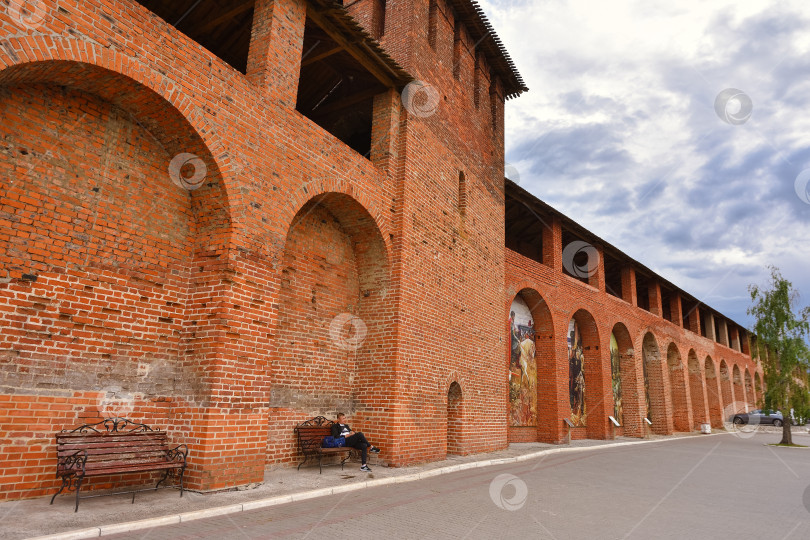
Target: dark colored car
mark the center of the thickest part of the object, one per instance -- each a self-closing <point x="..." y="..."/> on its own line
<point x="758" y="417"/>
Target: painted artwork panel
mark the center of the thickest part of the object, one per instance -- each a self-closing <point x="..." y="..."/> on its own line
<point x="576" y="375"/>
<point x="522" y="366"/>
<point x="616" y="375"/>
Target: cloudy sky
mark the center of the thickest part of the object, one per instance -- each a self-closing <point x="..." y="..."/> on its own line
<point x="620" y="132"/>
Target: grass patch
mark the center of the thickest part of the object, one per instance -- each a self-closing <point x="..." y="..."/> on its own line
<point x="790" y="445"/>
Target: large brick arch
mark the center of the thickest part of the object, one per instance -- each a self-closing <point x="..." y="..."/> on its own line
<point x="697" y="389"/>
<point x="726" y="390"/>
<point x="544" y="339"/>
<point x="331" y="347"/>
<point x="115" y="249"/>
<point x="596" y="369"/>
<point x="329" y="188"/>
<point x="750" y="394"/>
<point x="125" y="82"/>
<point x="714" y="394"/>
<point x="660" y="404"/>
<point x="632" y="384"/>
<point x="739" y="389"/>
<point x="679" y="394"/>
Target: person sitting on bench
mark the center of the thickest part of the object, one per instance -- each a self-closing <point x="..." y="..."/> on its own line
<point x="353" y="440"/>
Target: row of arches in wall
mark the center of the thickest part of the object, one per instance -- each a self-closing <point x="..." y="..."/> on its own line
<point x="641" y="381"/>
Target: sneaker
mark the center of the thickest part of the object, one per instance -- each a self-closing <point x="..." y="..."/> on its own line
<point x="365" y="468"/>
<point x="374" y="450"/>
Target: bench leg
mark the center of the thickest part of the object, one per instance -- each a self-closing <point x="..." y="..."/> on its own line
<point x="65" y="483"/>
<point x="182" y="472"/>
<point x="320" y="467"/>
<point x="165" y="476"/>
<point x="78" y="488"/>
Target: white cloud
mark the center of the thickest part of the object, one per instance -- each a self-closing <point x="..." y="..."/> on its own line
<point x="619" y="131"/>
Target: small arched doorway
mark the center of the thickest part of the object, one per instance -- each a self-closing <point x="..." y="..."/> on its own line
<point x="454" y="420"/>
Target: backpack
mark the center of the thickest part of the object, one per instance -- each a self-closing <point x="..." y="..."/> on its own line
<point x="333" y="442"/>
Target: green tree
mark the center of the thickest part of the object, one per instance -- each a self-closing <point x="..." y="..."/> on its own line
<point x="782" y="329"/>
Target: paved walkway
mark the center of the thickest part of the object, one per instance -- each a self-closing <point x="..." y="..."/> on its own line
<point x="109" y="515"/>
<point x="722" y="487"/>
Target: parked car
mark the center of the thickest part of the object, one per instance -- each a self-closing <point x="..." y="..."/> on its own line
<point x="757" y="416"/>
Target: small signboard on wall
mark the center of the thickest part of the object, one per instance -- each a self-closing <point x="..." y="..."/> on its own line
<point x="615" y="422"/>
<point x="568" y="422"/>
<point x="648" y="421"/>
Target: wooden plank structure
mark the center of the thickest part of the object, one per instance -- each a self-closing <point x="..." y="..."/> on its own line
<point x="115" y="446"/>
<point x="310" y="440"/>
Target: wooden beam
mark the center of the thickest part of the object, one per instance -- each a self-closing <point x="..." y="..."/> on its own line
<point x="225" y="17"/>
<point x="321" y="56"/>
<point x="348" y="102"/>
<point x="351" y="47"/>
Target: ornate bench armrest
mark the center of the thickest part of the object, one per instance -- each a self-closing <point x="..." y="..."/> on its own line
<point x="72" y="464"/>
<point x="178" y="454"/>
<point x="309" y="446"/>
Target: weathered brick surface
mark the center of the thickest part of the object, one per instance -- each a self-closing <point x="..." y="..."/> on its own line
<point x="299" y="278"/>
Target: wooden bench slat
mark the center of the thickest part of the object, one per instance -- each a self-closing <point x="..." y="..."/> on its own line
<point x="112" y="448"/>
<point x="119" y="450"/>
<point x="93" y="439"/>
<point x="120" y="470"/>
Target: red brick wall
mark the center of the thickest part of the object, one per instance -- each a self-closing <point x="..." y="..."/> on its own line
<point x="668" y="346"/>
<point x="208" y="311"/>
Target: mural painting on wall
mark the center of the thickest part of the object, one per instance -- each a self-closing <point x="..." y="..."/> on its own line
<point x="522" y="366"/>
<point x="616" y="374"/>
<point x="576" y="375"/>
<point x="646" y="388"/>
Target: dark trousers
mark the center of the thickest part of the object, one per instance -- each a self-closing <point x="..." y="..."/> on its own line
<point x="358" y="440"/>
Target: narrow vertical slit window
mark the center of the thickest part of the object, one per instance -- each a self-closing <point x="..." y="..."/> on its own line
<point x="477" y="83"/>
<point x="456" y="49"/>
<point x="462" y="194"/>
<point x="432" y="21"/>
<point x="493" y="101"/>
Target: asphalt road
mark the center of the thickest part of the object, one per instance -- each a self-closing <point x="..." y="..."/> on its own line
<point x="723" y="486"/>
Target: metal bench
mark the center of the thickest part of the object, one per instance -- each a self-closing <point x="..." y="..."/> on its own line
<point x="310" y="439"/>
<point x="115" y="446"/>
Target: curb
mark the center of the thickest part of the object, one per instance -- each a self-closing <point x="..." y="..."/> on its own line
<point x="104" y="530"/>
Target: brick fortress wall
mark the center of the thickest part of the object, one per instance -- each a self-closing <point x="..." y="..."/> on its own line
<point x="295" y="278"/>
